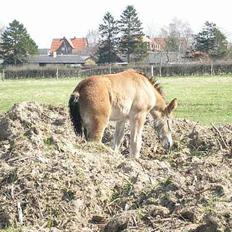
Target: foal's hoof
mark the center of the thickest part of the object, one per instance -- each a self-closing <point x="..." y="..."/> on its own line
<point x="133" y="157"/>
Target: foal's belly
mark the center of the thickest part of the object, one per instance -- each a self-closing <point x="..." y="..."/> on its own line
<point x="119" y="113"/>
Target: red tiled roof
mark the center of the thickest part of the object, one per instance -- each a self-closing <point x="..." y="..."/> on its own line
<point x="79" y="43"/>
<point x="56" y="43"/>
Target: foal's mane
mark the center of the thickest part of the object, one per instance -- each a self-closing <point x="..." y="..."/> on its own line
<point x="154" y="82"/>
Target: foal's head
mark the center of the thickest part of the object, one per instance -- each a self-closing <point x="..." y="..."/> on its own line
<point x="163" y="124"/>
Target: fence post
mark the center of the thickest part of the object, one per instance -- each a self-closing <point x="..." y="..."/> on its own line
<point x="160" y="65"/>
<point x="152" y="70"/>
<point x="3" y="75"/>
<point x="211" y="68"/>
<point x="57" y="73"/>
<point x="110" y="69"/>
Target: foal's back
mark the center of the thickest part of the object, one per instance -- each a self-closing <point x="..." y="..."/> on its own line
<point x="115" y="95"/>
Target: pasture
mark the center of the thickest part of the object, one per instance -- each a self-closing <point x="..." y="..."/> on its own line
<point x="202" y="99"/>
<point x="50" y="178"/>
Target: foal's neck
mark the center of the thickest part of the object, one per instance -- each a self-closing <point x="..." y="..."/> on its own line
<point x="160" y="102"/>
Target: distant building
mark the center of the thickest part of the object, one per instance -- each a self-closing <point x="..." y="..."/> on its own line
<point x="43" y="51"/>
<point x="64" y="46"/>
<point x="157" y="58"/>
<point x="70" y="59"/>
<point x="148" y="42"/>
<point x="158" y="44"/>
<point x="74" y="51"/>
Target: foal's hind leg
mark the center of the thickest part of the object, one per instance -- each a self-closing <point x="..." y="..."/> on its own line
<point x="96" y="129"/>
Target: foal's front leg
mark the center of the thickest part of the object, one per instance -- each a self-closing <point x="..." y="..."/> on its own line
<point x="136" y="124"/>
<point x="118" y="135"/>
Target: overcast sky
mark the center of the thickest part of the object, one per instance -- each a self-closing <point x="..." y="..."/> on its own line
<point x="47" y="19"/>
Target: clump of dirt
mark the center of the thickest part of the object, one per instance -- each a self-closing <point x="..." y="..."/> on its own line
<point x="51" y="180"/>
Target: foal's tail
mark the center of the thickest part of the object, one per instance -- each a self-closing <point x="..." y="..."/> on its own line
<point x="74" y="111"/>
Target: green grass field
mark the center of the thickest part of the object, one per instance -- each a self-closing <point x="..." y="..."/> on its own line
<point x="201" y="99"/>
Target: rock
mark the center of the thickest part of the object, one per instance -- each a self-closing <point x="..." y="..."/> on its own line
<point x="219" y="190"/>
<point x="169" y="202"/>
<point x="7" y="129"/>
<point x="188" y="214"/>
<point x="155" y="210"/>
<point x="118" y="223"/>
<point x="97" y="219"/>
<point x="4" y="219"/>
<point x="211" y="225"/>
<point x="211" y="220"/>
<point x="78" y="204"/>
<point x="206" y="228"/>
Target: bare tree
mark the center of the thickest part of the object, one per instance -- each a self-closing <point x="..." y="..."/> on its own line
<point x="178" y="36"/>
<point x="184" y="30"/>
<point x="93" y="37"/>
<point x="2" y="28"/>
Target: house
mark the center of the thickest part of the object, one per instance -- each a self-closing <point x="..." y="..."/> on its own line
<point x="63" y="51"/>
<point x="64" y="46"/>
<point x="157" y="44"/>
<point x="147" y="41"/>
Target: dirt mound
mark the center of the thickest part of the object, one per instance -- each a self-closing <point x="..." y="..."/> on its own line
<point x="50" y="180"/>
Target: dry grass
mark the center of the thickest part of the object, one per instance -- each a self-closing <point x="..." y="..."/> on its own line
<point x="49" y="178"/>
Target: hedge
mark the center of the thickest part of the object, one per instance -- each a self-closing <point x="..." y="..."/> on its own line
<point x="40" y="72"/>
<point x="166" y="70"/>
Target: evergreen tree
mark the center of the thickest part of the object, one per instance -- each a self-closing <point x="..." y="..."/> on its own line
<point x="211" y="40"/>
<point x="131" y="39"/>
<point x="107" y="51"/>
<point x="16" y="44"/>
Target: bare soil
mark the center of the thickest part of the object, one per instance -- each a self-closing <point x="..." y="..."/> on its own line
<point x="51" y="180"/>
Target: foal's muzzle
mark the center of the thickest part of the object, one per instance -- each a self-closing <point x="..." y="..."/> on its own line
<point x="167" y="143"/>
<point x="167" y="146"/>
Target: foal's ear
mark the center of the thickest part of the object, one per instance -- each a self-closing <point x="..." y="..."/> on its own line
<point x="171" y="106"/>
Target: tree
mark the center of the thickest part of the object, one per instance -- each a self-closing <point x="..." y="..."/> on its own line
<point x="131" y="34"/>
<point x="229" y="53"/>
<point x="92" y="38"/>
<point x="178" y="36"/>
<point x="107" y="51"/>
<point x="1" y="31"/>
<point x="211" y="41"/>
<point x="16" y="44"/>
